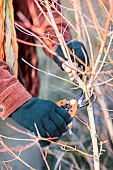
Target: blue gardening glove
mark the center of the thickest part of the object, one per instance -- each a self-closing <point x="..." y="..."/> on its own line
<point x="78" y="48"/>
<point x="51" y="120"/>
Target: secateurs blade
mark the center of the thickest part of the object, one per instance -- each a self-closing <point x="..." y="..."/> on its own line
<point x="73" y="105"/>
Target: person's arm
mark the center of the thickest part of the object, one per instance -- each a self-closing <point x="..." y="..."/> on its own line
<point x="45" y="30"/>
<point x="48" y="34"/>
<point x="12" y="93"/>
<point x="42" y="27"/>
<point x="17" y="103"/>
<point x="49" y="37"/>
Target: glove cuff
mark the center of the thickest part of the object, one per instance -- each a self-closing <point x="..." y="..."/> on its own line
<point x="60" y="53"/>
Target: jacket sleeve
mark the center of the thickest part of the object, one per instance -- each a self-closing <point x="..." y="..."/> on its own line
<point x="12" y="93"/>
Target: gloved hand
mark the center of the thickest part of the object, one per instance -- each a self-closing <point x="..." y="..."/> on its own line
<point x="79" y="51"/>
<point x="51" y="120"/>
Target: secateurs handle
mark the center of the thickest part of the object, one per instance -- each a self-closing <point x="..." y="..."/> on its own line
<point x="70" y="106"/>
<point x="73" y="105"/>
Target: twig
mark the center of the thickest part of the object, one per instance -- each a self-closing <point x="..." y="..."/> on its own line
<point x="49" y="74"/>
<point x="93" y="134"/>
<point x="15" y="156"/>
<point x="103" y="44"/>
<point x="92" y="127"/>
<point x="103" y="106"/>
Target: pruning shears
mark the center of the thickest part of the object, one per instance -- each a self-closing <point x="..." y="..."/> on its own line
<point x="73" y="105"/>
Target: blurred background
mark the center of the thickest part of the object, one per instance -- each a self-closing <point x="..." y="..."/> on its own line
<point x="55" y="89"/>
